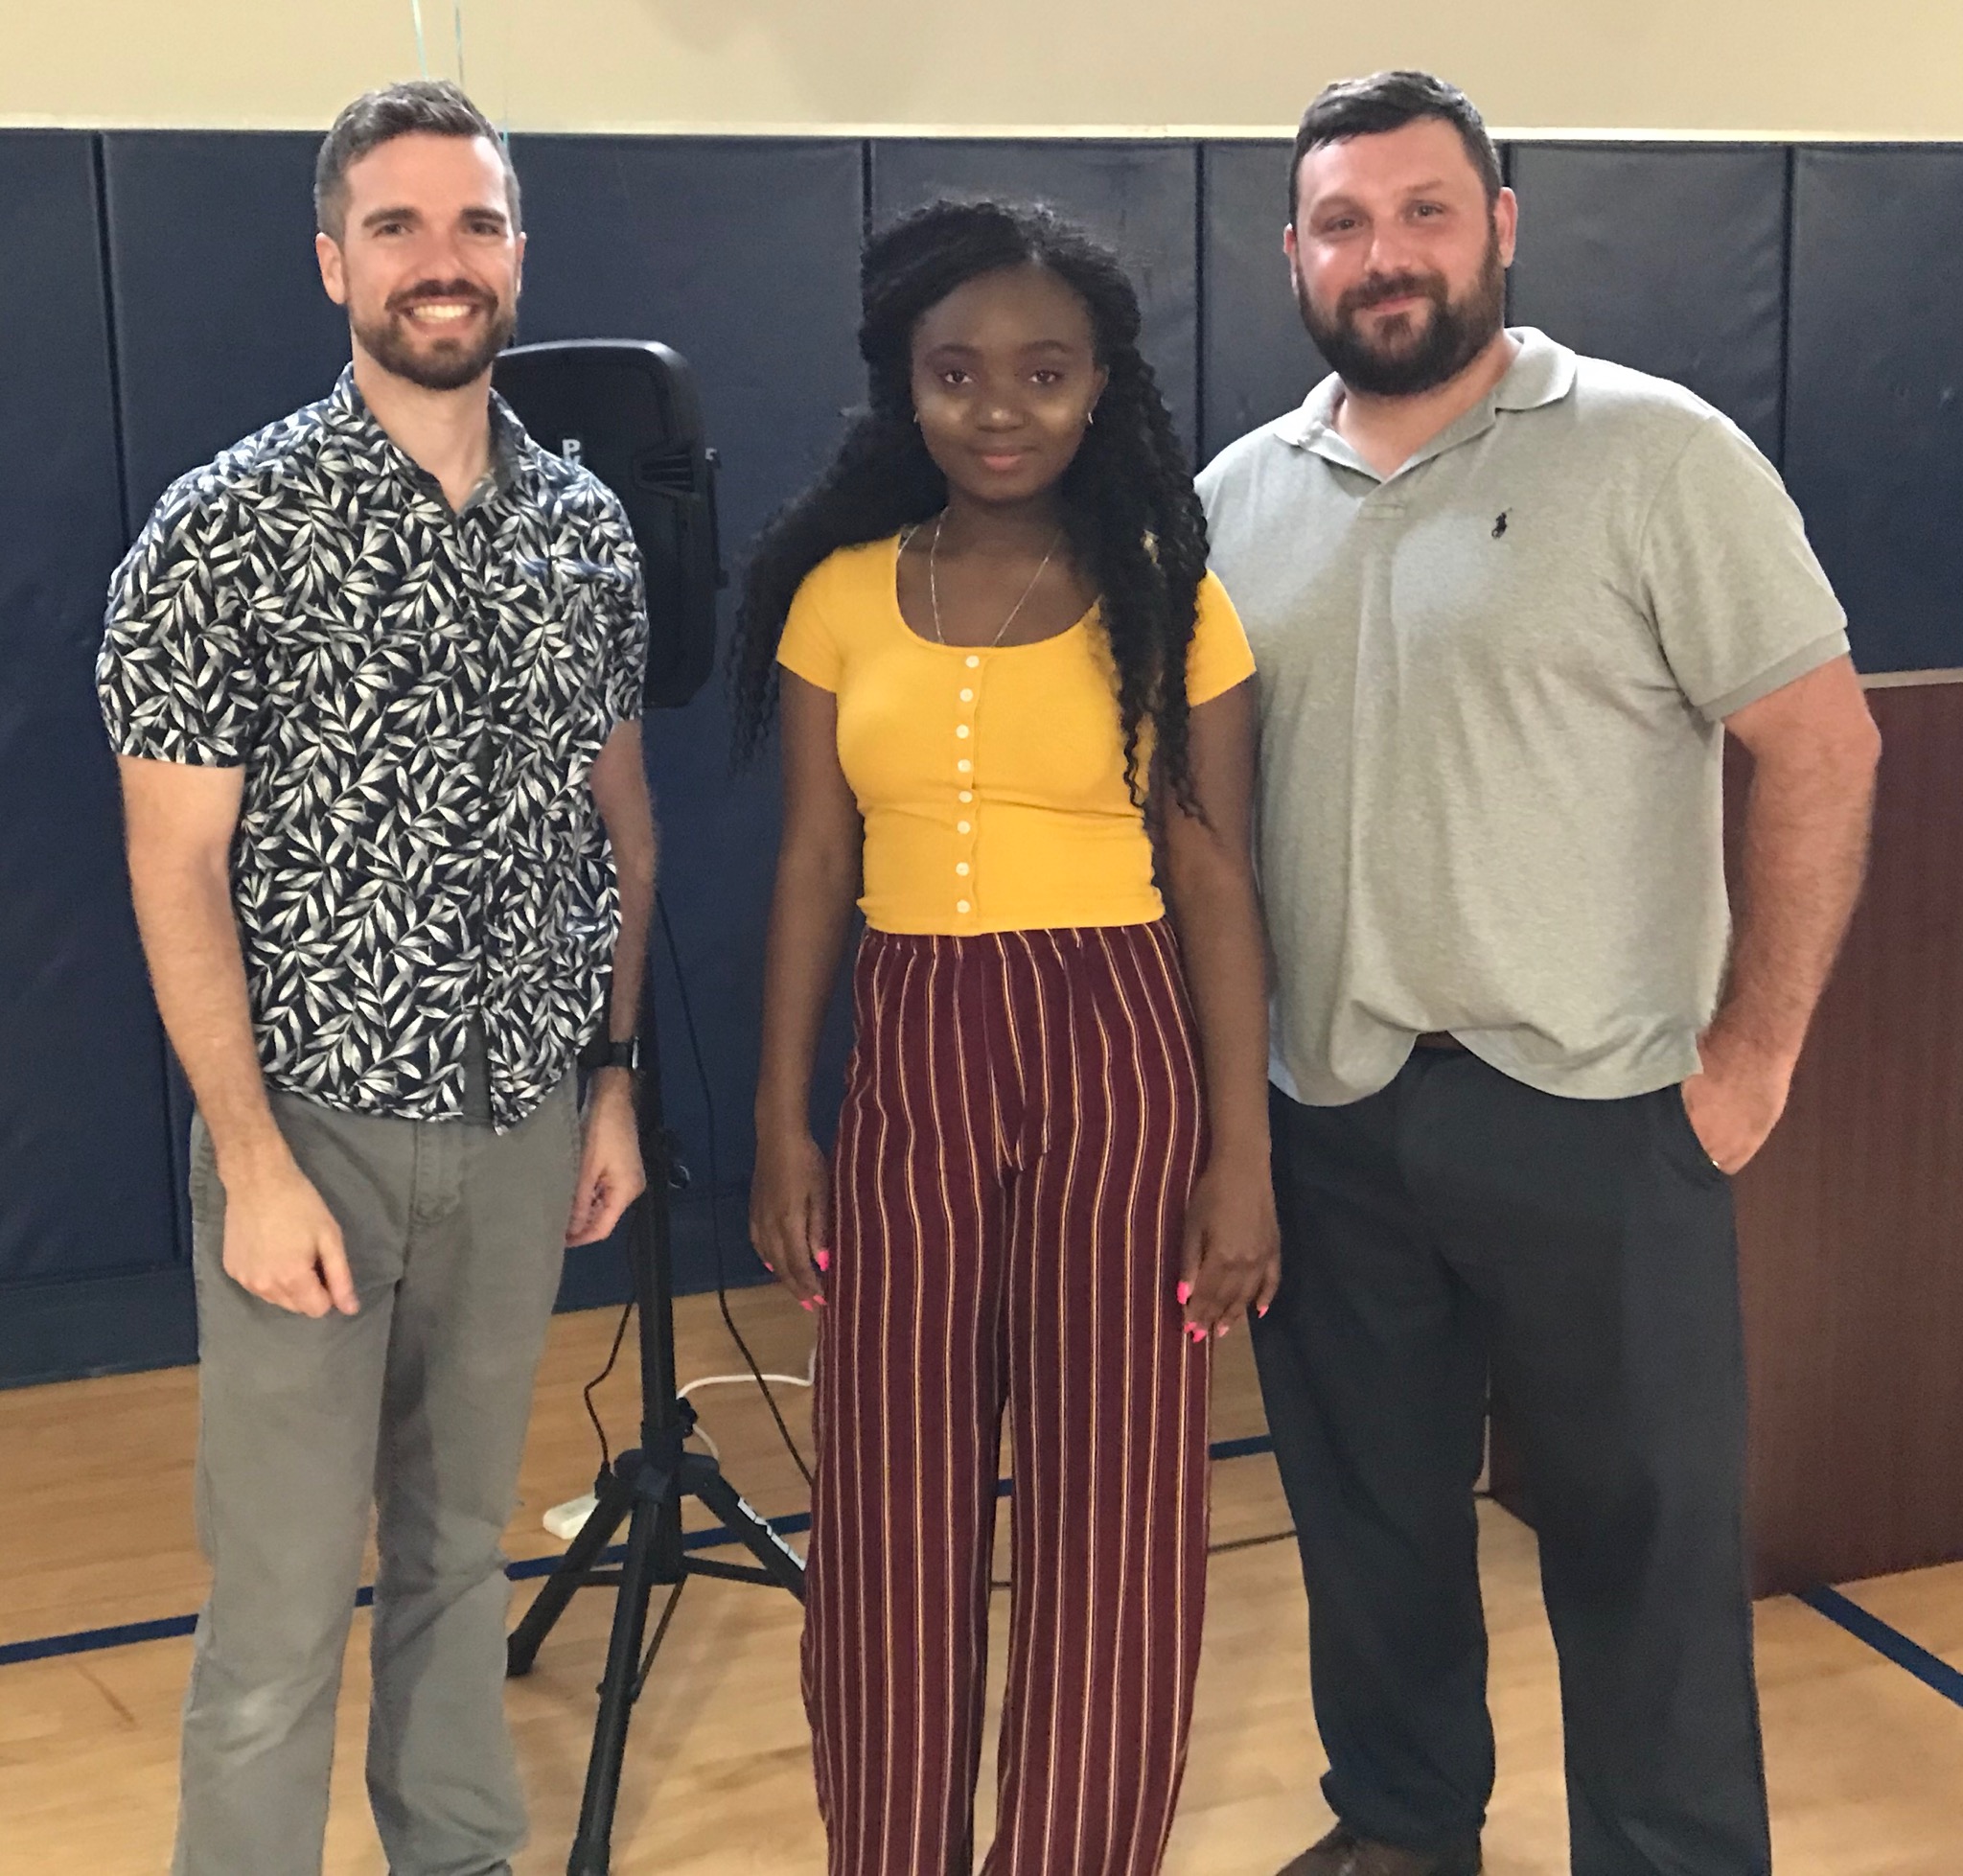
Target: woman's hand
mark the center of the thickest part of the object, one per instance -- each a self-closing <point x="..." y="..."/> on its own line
<point x="817" y="879"/>
<point x="791" y="1213"/>
<point x="1233" y="1260"/>
<point x="1233" y="1253"/>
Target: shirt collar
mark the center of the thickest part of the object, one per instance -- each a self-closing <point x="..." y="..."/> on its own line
<point x="1541" y="373"/>
<point x="511" y="448"/>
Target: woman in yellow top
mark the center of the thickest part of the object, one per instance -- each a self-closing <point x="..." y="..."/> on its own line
<point x="1007" y="680"/>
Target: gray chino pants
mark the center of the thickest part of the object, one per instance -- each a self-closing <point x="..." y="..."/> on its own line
<point x="417" y="1407"/>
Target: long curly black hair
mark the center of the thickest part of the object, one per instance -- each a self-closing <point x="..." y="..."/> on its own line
<point x="1130" y="515"/>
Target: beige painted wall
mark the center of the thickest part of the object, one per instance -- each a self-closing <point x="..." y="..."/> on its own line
<point x="1754" y="67"/>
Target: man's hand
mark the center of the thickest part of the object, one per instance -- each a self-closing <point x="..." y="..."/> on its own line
<point x="1736" y="1099"/>
<point x="1814" y="748"/>
<point x="610" y="1173"/>
<point x="283" y="1246"/>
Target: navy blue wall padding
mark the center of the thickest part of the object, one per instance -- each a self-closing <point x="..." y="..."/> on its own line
<point x="222" y="325"/>
<point x="1670" y="258"/>
<point x="744" y="256"/>
<point x="1257" y="362"/>
<point x="173" y="306"/>
<point x="1141" y="197"/>
<point x="87" y="1236"/>
<point x="1874" y="428"/>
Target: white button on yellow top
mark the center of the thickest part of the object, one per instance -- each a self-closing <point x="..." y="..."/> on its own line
<point x="961" y="868"/>
<point x="974" y="662"/>
<point x="962" y="826"/>
<point x="966" y="794"/>
<point x="967" y="696"/>
<point x="961" y="905"/>
<point x="961" y="730"/>
<point x="965" y="765"/>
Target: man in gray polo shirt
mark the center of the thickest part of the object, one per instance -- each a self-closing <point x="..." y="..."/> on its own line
<point x="1505" y="603"/>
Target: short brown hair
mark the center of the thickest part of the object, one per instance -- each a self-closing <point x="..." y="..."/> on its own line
<point x="426" y="107"/>
<point x="1388" y="101"/>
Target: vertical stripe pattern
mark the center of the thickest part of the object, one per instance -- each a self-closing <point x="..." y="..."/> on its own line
<point x="1021" y="1133"/>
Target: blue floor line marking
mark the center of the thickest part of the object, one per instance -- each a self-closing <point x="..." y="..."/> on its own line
<point x="1243" y="1448"/>
<point x="1931" y="1670"/>
<point x="87" y="1642"/>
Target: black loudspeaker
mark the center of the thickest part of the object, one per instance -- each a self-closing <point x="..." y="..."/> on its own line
<point x="627" y="409"/>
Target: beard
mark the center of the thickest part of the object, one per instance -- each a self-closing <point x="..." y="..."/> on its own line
<point x="1408" y="359"/>
<point x="436" y="363"/>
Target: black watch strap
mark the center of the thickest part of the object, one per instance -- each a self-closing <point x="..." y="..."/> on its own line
<point x="605" y="1053"/>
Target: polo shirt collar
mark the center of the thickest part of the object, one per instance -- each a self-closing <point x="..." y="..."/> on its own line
<point x="1541" y="373"/>
<point x="1544" y="373"/>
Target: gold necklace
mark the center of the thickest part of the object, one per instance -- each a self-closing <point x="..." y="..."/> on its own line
<point x="934" y="583"/>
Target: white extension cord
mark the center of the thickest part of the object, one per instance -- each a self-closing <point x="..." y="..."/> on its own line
<point x="566" y="1521"/>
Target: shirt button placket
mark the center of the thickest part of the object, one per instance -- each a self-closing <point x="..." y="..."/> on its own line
<point x="964" y="791"/>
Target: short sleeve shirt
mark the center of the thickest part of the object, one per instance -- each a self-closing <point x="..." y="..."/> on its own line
<point x="1493" y="688"/>
<point x="991" y="780"/>
<point x="417" y="697"/>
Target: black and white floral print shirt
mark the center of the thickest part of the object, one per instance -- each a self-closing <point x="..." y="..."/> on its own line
<point x="416" y="696"/>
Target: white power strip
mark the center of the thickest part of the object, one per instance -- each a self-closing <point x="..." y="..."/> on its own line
<point x="566" y="1521"/>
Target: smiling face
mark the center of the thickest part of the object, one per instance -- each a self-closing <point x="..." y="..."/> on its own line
<point x="428" y="263"/>
<point x="1399" y="257"/>
<point x="1006" y="376"/>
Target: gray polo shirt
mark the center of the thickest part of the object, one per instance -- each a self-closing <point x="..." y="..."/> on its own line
<point x="1493" y="688"/>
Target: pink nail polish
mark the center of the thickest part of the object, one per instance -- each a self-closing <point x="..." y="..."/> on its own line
<point x="1222" y="1330"/>
<point x="808" y="1305"/>
<point x="1184" y="1293"/>
<point x="1262" y="1310"/>
<point x="823" y="1259"/>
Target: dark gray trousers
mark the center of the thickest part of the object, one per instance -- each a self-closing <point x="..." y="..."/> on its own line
<point x="1584" y="1252"/>
<point x="416" y="1407"/>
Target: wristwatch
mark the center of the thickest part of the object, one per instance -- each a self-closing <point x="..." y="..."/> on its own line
<point x="605" y="1053"/>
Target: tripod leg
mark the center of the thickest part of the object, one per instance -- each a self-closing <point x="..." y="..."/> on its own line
<point x="765" y="1545"/>
<point x="591" y="1847"/>
<point x="521" y="1650"/>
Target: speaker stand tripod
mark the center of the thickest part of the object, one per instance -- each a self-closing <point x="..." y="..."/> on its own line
<point x="643" y="1490"/>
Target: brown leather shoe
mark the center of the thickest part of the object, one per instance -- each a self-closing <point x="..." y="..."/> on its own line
<point x="1343" y="1853"/>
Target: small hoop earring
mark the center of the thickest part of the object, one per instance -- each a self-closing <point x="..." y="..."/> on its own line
<point x="1090" y="416"/>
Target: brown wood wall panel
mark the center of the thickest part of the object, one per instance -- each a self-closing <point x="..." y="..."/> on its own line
<point x="1851" y="1220"/>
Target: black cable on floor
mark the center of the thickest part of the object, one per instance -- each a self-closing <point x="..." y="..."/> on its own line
<point x="587" y="1392"/>
<point x="708" y="1102"/>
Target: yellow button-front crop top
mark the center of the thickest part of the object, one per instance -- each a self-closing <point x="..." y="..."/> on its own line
<point x="991" y="781"/>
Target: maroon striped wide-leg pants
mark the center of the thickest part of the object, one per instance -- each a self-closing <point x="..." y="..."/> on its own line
<point x="1020" y="1132"/>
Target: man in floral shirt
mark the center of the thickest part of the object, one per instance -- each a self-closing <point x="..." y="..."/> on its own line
<point x="374" y="678"/>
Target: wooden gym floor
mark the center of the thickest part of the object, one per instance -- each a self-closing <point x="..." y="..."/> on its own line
<point x="1865" y="1759"/>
